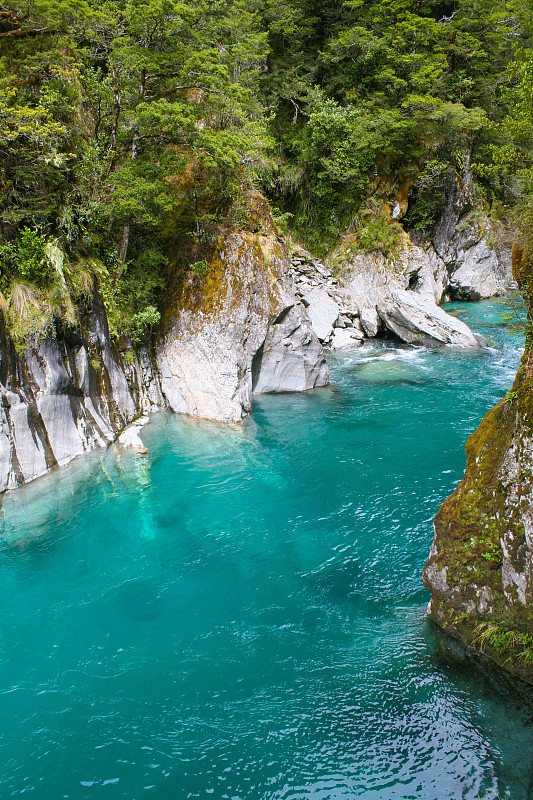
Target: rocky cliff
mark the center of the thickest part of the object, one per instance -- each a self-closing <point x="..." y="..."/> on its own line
<point x="480" y="569"/>
<point x="243" y="331"/>
<point x="60" y="399"/>
<point x="238" y="330"/>
<point x="256" y="320"/>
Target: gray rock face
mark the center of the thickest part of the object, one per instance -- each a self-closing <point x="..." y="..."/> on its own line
<point x="476" y="268"/>
<point x="57" y="403"/>
<point x="401" y="295"/>
<point x="291" y="359"/>
<point x="144" y="382"/>
<point x="245" y="332"/>
<point x="346" y="338"/>
<point x="417" y="320"/>
<point x="479" y="273"/>
<point x="370" y="321"/>
<point x="241" y="332"/>
<point x="257" y="323"/>
<point x="323" y="312"/>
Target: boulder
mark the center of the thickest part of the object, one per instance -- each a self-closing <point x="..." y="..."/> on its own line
<point x="346" y="338"/>
<point x="323" y="312"/>
<point x="417" y="320"/>
<point x="130" y="438"/>
<point x="370" y="321"/>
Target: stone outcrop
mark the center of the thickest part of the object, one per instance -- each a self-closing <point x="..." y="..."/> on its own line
<point x="257" y="321"/>
<point x="60" y="399"/>
<point x="480" y="569"/>
<point x="379" y="296"/>
<point x="477" y="268"/>
<point x="243" y="331"/>
<point x="470" y="245"/>
<point x="400" y="295"/>
<point x="238" y="331"/>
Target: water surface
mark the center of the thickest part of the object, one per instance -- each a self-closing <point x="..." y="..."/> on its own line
<point x="240" y="614"/>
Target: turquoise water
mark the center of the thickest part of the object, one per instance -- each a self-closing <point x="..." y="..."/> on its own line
<point x="240" y="614"/>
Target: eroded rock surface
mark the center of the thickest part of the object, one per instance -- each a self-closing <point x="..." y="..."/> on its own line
<point x="480" y="569"/>
<point x="59" y="400"/>
<point x="258" y="321"/>
<point x="241" y="330"/>
<point x="398" y="296"/>
<point x="416" y="319"/>
<point x="244" y="331"/>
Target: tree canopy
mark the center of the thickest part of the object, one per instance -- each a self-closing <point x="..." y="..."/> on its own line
<point x="131" y="130"/>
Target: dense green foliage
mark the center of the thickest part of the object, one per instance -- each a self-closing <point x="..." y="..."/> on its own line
<point x="131" y="131"/>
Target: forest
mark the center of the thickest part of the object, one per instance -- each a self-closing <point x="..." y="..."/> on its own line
<point x="132" y="134"/>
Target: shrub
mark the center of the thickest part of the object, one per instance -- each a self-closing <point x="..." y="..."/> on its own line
<point x="142" y="323"/>
<point x="26" y="259"/>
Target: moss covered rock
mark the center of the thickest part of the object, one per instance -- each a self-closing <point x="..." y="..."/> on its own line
<point x="238" y="328"/>
<point x="480" y="570"/>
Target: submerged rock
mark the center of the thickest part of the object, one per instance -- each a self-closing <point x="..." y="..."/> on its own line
<point x="130" y="438"/>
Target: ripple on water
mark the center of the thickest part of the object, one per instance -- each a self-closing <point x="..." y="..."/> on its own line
<point x="240" y="613"/>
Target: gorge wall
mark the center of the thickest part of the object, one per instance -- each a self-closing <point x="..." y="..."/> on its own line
<point x="480" y="569"/>
<point x="259" y="320"/>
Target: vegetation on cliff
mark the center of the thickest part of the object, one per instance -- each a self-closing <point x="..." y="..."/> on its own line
<point x="479" y="567"/>
<point x="131" y="132"/>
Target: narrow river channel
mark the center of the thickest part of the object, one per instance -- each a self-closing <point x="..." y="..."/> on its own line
<point x="240" y="615"/>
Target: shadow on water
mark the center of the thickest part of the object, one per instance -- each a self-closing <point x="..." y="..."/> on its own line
<point x="505" y="704"/>
<point x="138" y="599"/>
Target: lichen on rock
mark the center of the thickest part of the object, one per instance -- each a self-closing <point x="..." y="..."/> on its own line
<point x="480" y="569"/>
<point x="244" y="331"/>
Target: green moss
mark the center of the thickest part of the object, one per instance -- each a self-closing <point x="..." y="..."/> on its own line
<point x="238" y="263"/>
<point x="470" y="527"/>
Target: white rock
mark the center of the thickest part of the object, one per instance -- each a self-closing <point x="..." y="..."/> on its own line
<point x="480" y="274"/>
<point x="291" y="358"/>
<point x="323" y="312"/>
<point x="418" y="320"/>
<point x="344" y="338"/>
<point x="228" y="344"/>
<point x="130" y="438"/>
<point x="370" y="321"/>
<point x="400" y="294"/>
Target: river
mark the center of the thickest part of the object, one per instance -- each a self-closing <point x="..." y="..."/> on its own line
<point x="240" y="615"/>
